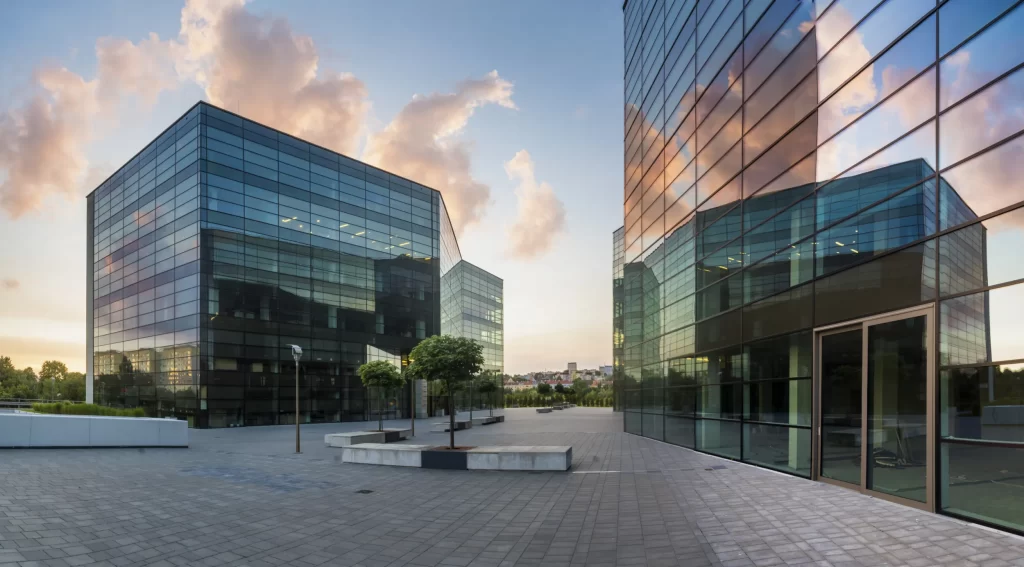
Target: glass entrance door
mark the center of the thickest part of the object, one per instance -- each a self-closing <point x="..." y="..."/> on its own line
<point x="874" y="422"/>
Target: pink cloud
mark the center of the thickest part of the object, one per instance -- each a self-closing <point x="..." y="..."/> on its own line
<point x="541" y="215"/>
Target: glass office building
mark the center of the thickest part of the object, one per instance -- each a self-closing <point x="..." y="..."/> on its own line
<point x="223" y="242"/>
<point x="473" y="308"/>
<point x="822" y="212"/>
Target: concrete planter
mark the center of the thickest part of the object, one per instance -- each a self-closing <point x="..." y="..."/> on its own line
<point x="439" y="459"/>
<point x="544" y="410"/>
<point x="42" y="430"/>
<point x="382" y="454"/>
<point x="523" y="458"/>
<point x="529" y="458"/>
<point x="442" y="426"/>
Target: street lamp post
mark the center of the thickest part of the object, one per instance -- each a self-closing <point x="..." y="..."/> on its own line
<point x="297" y="354"/>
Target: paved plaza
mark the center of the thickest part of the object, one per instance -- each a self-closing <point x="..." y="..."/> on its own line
<point x="242" y="497"/>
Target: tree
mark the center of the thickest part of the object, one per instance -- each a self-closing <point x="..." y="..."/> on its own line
<point x="452" y="361"/>
<point x="544" y="389"/>
<point x="383" y="376"/>
<point x="488" y="386"/>
<point x="560" y="388"/>
<point x="52" y="373"/>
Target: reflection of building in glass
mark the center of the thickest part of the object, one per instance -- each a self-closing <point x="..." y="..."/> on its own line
<point x="618" y="332"/>
<point x="223" y="242"/>
<point x="792" y="165"/>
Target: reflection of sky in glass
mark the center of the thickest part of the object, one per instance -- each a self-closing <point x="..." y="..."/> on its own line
<point x="889" y="72"/>
<point x="1005" y="306"/>
<point x="982" y="59"/>
<point x="872" y="36"/>
<point x="885" y="123"/>
<point x="987" y="117"/>
<point x="960" y="18"/>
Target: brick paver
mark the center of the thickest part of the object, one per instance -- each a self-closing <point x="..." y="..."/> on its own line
<point x="242" y="497"/>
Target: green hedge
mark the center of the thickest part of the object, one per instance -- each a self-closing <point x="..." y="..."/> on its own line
<point x="87" y="409"/>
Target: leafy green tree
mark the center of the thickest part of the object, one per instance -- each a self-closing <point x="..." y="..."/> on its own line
<point x="488" y="386"/>
<point x="544" y="390"/>
<point x="72" y="388"/>
<point x="560" y="388"/>
<point x="383" y="376"/>
<point x="452" y="361"/>
<point x="51" y="374"/>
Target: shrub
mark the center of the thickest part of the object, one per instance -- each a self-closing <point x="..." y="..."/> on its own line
<point x="61" y="408"/>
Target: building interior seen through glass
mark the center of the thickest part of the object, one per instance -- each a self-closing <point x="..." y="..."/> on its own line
<point x="840" y="178"/>
<point x="223" y="242"/>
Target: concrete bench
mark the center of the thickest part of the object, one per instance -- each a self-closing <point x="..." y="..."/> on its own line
<point x="442" y="426"/>
<point x="487" y="420"/>
<point x="350" y="438"/>
<point x="543" y="410"/>
<point x="383" y="454"/>
<point x="558" y="407"/>
<point x="523" y="458"/>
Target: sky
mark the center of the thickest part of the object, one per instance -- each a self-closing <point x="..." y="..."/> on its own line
<point x="512" y="110"/>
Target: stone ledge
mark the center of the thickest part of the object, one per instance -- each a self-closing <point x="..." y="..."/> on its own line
<point x="384" y="454"/>
<point x="46" y="430"/>
<point x="512" y="458"/>
<point x="520" y="458"/>
<point x="350" y="438"/>
<point x="442" y="426"/>
<point x="544" y="410"/>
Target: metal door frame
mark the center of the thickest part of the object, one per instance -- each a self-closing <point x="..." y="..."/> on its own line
<point x="864" y="325"/>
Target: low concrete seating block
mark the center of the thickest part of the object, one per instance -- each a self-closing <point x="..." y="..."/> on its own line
<point x="384" y="454"/>
<point x="442" y="426"/>
<point x="486" y="420"/>
<point x="354" y="438"/>
<point x="543" y="410"/>
<point x="524" y="458"/>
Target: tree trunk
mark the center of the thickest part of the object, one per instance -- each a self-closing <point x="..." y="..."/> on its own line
<point x="380" y="413"/>
<point x="451" y="418"/>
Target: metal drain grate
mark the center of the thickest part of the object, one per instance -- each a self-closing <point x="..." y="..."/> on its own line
<point x="716" y="468"/>
<point x="364" y="491"/>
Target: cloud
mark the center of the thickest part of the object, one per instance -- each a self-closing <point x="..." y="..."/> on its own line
<point x="541" y="214"/>
<point x="10" y="283"/>
<point x="41" y="142"/>
<point x="259" y="66"/>
<point x="422" y="143"/>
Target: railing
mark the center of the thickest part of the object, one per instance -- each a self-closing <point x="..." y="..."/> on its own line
<point x="27" y="402"/>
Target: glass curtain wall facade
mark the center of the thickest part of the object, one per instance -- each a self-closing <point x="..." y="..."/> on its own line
<point x="225" y="241"/>
<point x="618" y="256"/>
<point x="791" y="165"/>
<point x="473" y="300"/>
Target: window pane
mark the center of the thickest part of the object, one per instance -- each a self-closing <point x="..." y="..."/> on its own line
<point x="960" y="18"/>
<point x="982" y="254"/>
<point x="872" y="36"/>
<point x="986" y="118"/>
<point x="898" y="280"/>
<point x="975" y="480"/>
<point x="982" y="59"/>
<point x="791" y="149"/>
<point x="887" y="122"/>
<point x="794" y="107"/>
<point x="983" y="327"/>
<point x="983" y="402"/>
<point x="913" y="54"/>
<point x="780" y="231"/>
<point x="783" y="448"/>
<point x="680" y="431"/>
<point x="900" y="220"/>
<point x="984" y="184"/>
<point x="788" y="356"/>
<point x="719" y="437"/>
<point x="840" y="19"/>
<point x="798" y="25"/>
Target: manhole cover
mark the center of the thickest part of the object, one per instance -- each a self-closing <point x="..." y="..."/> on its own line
<point x="364" y="491"/>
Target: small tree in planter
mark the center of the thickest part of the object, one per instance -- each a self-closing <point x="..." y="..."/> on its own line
<point x="488" y="387"/>
<point x="452" y="361"/>
<point x="383" y="376"/>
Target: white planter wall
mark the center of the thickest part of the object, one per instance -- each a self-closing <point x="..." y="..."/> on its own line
<point x="37" y="430"/>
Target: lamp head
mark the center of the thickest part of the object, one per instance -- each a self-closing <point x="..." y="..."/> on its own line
<point x="296" y="351"/>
